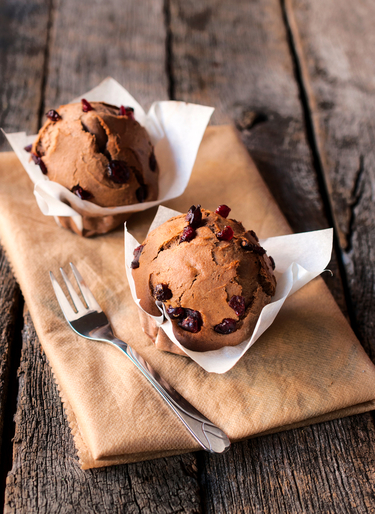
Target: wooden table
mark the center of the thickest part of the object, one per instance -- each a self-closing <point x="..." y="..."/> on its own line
<point x="297" y="78"/>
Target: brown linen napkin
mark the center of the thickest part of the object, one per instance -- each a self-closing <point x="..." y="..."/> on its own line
<point x="307" y="367"/>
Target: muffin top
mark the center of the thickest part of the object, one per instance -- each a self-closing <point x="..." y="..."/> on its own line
<point x="99" y="152"/>
<point x="210" y="273"/>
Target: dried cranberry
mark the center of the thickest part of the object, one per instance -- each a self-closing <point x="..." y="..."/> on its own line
<point x="227" y="326"/>
<point x="194" y="216"/>
<point x="273" y="265"/>
<point x="187" y="234"/>
<point x="53" y="115"/>
<point x="28" y="148"/>
<point x="81" y="193"/>
<point x="141" y="193"/>
<point x="192" y="322"/>
<point x="152" y="161"/>
<point x="226" y="234"/>
<point x="162" y="292"/>
<point x="137" y="253"/>
<point x="223" y="210"/>
<point x="252" y="233"/>
<point x="42" y="166"/>
<point x="40" y="163"/>
<point x="176" y="312"/>
<point x="118" y="171"/>
<point x="127" y="111"/>
<point x="237" y="303"/>
<point x="86" y="106"/>
<point x="249" y="247"/>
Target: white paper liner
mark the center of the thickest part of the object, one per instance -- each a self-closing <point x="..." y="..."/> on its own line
<point x="175" y="129"/>
<point x="297" y="263"/>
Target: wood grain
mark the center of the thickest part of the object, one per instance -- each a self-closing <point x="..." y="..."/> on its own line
<point x="89" y="42"/>
<point x="9" y="303"/>
<point x="237" y="59"/>
<point x="335" y="44"/>
<point x="322" y="468"/>
<point x="22" y="47"/>
<point x="24" y="35"/>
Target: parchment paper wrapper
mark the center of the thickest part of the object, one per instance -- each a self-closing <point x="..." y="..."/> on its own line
<point x="299" y="259"/>
<point x="175" y="129"/>
<point x="307" y="367"/>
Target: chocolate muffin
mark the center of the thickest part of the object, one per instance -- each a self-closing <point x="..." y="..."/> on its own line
<point x="211" y="274"/>
<point x="99" y="152"/>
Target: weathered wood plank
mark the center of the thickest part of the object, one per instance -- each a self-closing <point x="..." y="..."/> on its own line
<point x="237" y="57"/>
<point x="337" y="56"/>
<point x="125" y="40"/>
<point x="305" y="470"/>
<point x="23" y="39"/>
<point x="46" y="477"/>
<point x="9" y="302"/>
<point x="22" y="45"/>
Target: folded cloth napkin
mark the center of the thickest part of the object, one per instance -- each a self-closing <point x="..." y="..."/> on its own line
<point x="307" y="367"/>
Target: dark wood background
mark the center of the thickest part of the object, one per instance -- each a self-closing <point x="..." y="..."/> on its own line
<point x="297" y="77"/>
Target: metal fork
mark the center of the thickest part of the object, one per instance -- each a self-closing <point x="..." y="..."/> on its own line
<point x="90" y="321"/>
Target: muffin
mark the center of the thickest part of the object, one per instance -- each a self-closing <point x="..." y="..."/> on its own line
<point x="99" y="152"/>
<point x="212" y="276"/>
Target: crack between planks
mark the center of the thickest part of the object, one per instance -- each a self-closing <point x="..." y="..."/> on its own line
<point x="132" y="489"/>
<point x="10" y="409"/>
<point x="356" y="196"/>
<point x="201" y="479"/>
<point x="51" y="9"/>
<point x="296" y="55"/>
<point x="168" y="50"/>
<point x="372" y="413"/>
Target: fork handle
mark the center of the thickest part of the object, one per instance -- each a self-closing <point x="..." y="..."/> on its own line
<point x="208" y="435"/>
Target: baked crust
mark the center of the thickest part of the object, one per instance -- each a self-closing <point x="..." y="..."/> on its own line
<point x="203" y="275"/>
<point x="77" y="149"/>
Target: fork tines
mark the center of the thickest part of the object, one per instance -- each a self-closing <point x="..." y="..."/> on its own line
<point x="80" y="308"/>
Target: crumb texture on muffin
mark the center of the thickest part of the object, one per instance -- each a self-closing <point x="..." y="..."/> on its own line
<point x="212" y="275"/>
<point x="99" y="152"/>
